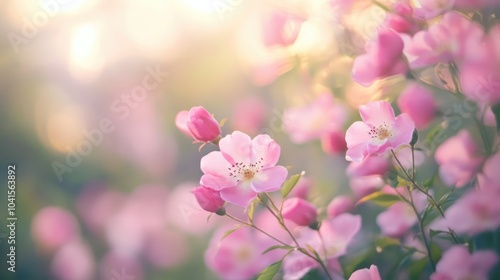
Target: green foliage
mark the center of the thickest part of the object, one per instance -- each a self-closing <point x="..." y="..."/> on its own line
<point x="380" y="198"/>
<point x="290" y="184"/>
<point x="269" y="272"/>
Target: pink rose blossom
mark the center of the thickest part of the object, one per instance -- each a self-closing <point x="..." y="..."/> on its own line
<point x="315" y="120"/>
<point x="458" y="159"/>
<point x="418" y="103"/>
<point x="446" y="41"/>
<point x="208" y="199"/>
<point x="281" y="28"/>
<point x="243" y="168"/>
<point x="457" y="263"/>
<point x="299" y="211"/>
<point x="339" y="205"/>
<point x="473" y="213"/>
<point x="239" y="255"/>
<point x="383" y="59"/>
<point x="366" y="274"/>
<point x="337" y="234"/>
<point x="379" y="131"/>
<point x="199" y="124"/>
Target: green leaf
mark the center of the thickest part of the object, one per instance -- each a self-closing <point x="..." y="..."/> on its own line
<point x="228" y="232"/>
<point x="436" y="252"/>
<point x="380" y="198"/>
<point x="251" y="210"/>
<point x="402" y="182"/>
<point x="290" y="184"/>
<point x="269" y="272"/>
<point x="283" y="247"/>
<point x="385" y="242"/>
<point x="417" y="268"/>
<point x="352" y="262"/>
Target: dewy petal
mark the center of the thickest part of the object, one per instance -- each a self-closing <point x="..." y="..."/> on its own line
<point x="377" y="113"/>
<point x="240" y="195"/>
<point x="269" y="179"/>
<point x="266" y="150"/>
<point x="357" y="139"/>
<point x="403" y="131"/>
<point x="236" y="147"/>
<point x="215" y="167"/>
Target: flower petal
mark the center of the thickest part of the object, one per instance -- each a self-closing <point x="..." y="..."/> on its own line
<point x="403" y="131"/>
<point x="357" y="139"/>
<point x="266" y="150"/>
<point x="215" y="167"/>
<point x="377" y="113"/>
<point x="236" y="147"/>
<point x="240" y="195"/>
<point x="269" y="179"/>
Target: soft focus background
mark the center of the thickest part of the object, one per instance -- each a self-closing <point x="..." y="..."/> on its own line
<point x="114" y="202"/>
<point x="123" y="208"/>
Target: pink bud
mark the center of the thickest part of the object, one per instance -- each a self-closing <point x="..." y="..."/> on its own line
<point x="199" y="124"/>
<point x="299" y="211"/>
<point x="208" y="199"/>
<point x="339" y="205"/>
<point x="419" y="103"/>
<point x="334" y="143"/>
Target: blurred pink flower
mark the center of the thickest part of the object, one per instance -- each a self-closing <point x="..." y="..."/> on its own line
<point x="474" y="212"/>
<point x="475" y="4"/>
<point x="366" y="274"/>
<point x="383" y="59"/>
<point x="208" y="199"/>
<point x="315" y="120"/>
<point x="339" y="205"/>
<point x="457" y="263"/>
<point x="249" y="114"/>
<point x="281" y="28"/>
<point x="379" y="131"/>
<point x="418" y="103"/>
<point x="239" y="255"/>
<point x="401" y="20"/>
<point x="199" y="124"/>
<point x="337" y="234"/>
<point x="334" y="142"/>
<point x="52" y="227"/>
<point x="458" y="159"/>
<point x="489" y="177"/>
<point x="74" y="261"/>
<point x="404" y="156"/>
<point x="370" y="165"/>
<point x="432" y="8"/>
<point x="447" y="41"/>
<point x="166" y="248"/>
<point x="299" y="211"/>
<point x="366" y="185"/>
<point x="243" y="167"/>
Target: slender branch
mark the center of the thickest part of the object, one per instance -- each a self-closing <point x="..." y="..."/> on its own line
<point x="255" y="227"/>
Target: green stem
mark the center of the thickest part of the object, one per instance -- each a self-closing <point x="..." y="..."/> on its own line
<point x="255" y="227"/>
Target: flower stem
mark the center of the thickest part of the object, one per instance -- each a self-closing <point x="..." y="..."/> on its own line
<point x="255" y="227"/>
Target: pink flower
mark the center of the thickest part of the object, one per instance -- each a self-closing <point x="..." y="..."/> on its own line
<point x="475" y="212"/>
<point x="208" y="199"/>
<point x="339" y="205"/>
<point x="458" y="159"/>
<point x="366" y="185"/>
<point x="281" y="28"/>
<point x="299" y="211"/>
<point x="418" y="103"/>
<point x="239" y="255"/>
<point x="243" y="167"/>
<point x="199" y="124"/>
<point x="52" y="227"/>
<point x="366" y="274"/>
<point x="331" y="242"/>
<point x="446" y="41"/>
<point x="379" y="131"/>
<point x="371" y="165"/>
<point x="457" y="263"/>
<point x="74" y="261"/>
<point x="249" y="114"/>
<point x="315" y="120"/>
<point x="334" y="143"/>
<point x="432" y="8"/>
<point x="489" y="176"/>
<point x="383" y="59"/>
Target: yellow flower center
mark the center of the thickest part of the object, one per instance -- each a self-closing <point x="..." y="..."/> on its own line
<point x="381" y="132"/>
